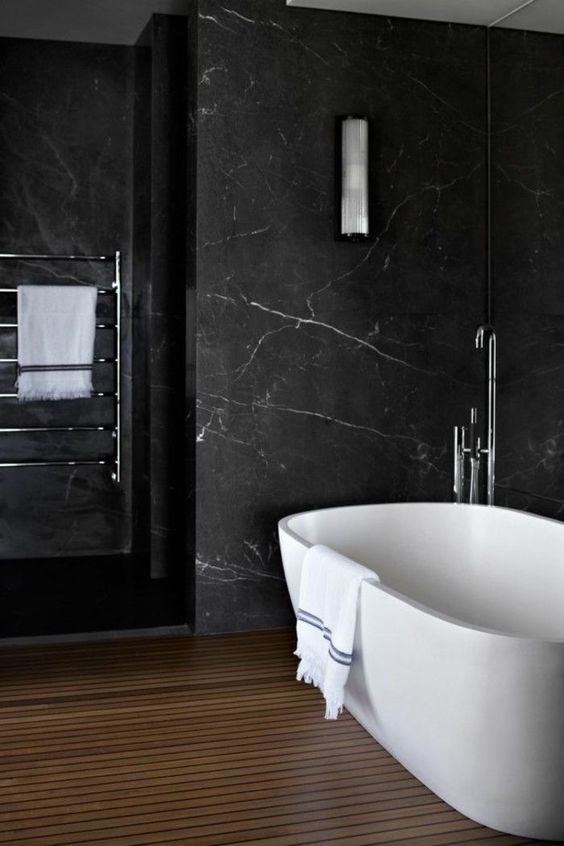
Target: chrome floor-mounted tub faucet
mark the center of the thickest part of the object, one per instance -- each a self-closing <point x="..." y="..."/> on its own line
<point x="462" y="435"/>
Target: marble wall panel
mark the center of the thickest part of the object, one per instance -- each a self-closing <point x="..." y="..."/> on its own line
<point x="160" y="161"/>
<point x="527" y="190"/>
<point x="527" y="258"/>
<point x="530" y="417"/>
<point x="65" y="142"/>
<point x="328" y="372"/>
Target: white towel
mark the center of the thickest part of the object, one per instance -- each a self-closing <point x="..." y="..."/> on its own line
<point x="329" y="590"/>
<point x="56" y="331"/>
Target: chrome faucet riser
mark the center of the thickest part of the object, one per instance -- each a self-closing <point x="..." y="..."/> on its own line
<point x="474" y="449"/>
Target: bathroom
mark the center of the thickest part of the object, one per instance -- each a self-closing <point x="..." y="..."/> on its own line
<point x="267" y="368"/>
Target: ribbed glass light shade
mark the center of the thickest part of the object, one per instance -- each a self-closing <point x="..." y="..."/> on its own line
<point x="354" y="186"/>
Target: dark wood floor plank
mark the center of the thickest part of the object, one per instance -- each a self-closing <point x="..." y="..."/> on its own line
<point x="197" y="741"/>
<point x="133" y="681"/>
<point x="314" y="832"/>
<point x="229" y="831"/>
<point x="184" y="699"/>
<point x="226" y="785"/>
<point x="214" y="824"/>
<point x="257" y="801"/>
<point x="26" y="753"/>
<point x="127" y="739"/>
<point x="215" y="724"/>
<point x="214" y="793"/>
<point x="198" y="775"/>
<point x="197" y="751"/>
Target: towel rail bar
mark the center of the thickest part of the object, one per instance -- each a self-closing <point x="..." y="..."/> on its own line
<point x="96" y="361"/>
<point x="93" y="394"/>
<point x="59" y="429"/>
<point x="115" y="428"/>
<point x="53" y="257"/>
<point x="98" y="326"/>
<point x="116" y="475"/>
<point x="15" y="290"/>
<point x="103" y="462"/>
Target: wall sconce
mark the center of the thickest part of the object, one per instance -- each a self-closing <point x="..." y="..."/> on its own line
<point x="352" y="183"/>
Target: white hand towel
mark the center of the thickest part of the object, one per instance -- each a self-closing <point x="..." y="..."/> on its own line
<point x="329" y="591"/>
<point x="56" y="331"/>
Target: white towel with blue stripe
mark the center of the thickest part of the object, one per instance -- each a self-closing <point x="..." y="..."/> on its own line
<point x="56" y="332"/>
<point x="329" y="592"/>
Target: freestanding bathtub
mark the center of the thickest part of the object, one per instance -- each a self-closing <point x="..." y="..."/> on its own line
<point x="458" y="667"/>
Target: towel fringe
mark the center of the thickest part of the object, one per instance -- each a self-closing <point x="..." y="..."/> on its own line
<point x="311" y="672"/>
<point x="309" y="669"/>
<point x="40" y="396"/>
<point x="333" y="705"/>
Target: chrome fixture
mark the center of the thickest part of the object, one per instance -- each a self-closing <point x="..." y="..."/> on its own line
<point x="467" y="443"/>
<point x="459" y="453"/>
<point x="483" y="331"/>
<point x="115" y="324"/>
<point x="474" y="494"/>
<point x="352" y="178"/>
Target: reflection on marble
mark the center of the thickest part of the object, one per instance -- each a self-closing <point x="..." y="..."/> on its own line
<point x="528" y="256"/>
<point x="160" y="269"/>
<point x="64" y="143"/>
<point x="328" y="373"/>
<point x="83" y="594"/>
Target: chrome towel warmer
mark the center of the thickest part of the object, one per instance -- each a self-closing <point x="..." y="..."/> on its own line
<point x="115" y="291"/>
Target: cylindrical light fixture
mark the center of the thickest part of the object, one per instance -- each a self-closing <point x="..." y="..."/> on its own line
<point x="353" y="201"/>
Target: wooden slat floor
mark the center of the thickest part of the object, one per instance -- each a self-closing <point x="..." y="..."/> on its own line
<point x="197" y="741"/>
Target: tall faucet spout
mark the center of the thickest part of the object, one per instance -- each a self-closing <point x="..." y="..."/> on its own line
<point x="481" y="333"/>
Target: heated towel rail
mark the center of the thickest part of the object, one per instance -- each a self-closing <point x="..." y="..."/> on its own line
<point x="115" y="428"/>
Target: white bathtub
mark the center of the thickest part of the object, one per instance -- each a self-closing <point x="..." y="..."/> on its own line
<point x="458" y="667"/>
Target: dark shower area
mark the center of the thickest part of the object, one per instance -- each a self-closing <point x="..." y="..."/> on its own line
<point x="93" y="144"/>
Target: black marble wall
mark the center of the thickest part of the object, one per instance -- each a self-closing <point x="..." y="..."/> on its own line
<point x="327" y="372"/>
<point x="528" y="256"/>
<point x="72" y="554"/>
<point x="159" y="249"/>
<point x="323" y="372"/>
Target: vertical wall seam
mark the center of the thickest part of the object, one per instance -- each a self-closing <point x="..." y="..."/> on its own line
<point x="489" y="188"/>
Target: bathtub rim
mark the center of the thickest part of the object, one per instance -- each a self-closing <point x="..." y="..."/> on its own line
<point x="283" y="526"/>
